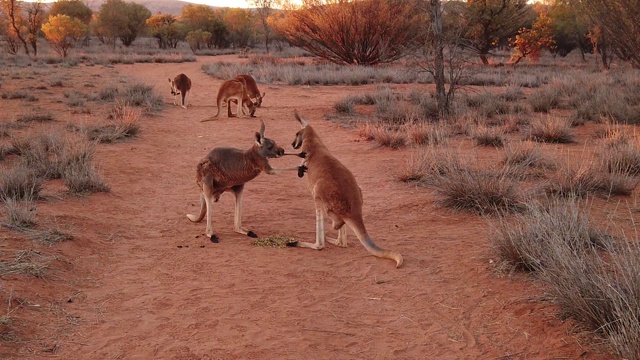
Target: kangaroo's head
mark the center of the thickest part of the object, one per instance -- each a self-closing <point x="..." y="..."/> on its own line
<point x="174" y="90"/>
<point x="267" y="148"/>
<point x="297" y="142"/>
<point x="252" y="106"/>
<point x="259" y="99"/>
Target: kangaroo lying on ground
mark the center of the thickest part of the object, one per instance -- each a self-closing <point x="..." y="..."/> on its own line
<point x="180" y="85"/>
<point x="228" y="169"/>
<point x="230" y="90"/>
<point x="336" y="194"/>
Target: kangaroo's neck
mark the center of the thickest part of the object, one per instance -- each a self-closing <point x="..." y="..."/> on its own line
<point x="253" y="157"/>
<point x="311" y="143"/>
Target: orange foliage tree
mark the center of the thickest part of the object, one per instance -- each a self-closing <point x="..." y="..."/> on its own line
<point x="62" y="32"/>
<point x="530" y="42"/>
<point x="362" y="32"/>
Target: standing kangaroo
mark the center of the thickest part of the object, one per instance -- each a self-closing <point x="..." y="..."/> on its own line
<point x="336" y="194"/>
<point x="180" y="85"/>
<point x="228" y="169"/>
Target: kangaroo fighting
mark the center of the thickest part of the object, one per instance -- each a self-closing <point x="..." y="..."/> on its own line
<point x="229" y="169"/>
<point x="336" y="194"/>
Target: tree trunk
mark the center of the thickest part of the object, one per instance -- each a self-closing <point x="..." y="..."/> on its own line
<point x="438" y="43"/>
<point x="484" y="59"/>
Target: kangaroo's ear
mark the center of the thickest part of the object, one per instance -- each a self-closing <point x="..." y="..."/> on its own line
<point x="302" y="121"/>
<point x="259" y="138"/>
<point x="263" y="94"/>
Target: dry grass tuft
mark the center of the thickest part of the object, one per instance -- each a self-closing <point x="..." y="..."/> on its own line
<point x="489" y="136"/>
<point x="20" y="182"/>
<point x="20" y="213"/>
<point x="551" y="129"/>
<point x="426" y="133"/>
<point x="382" y="134"/>
<point x="26" y="262"/>
<point x="590" y="178"/>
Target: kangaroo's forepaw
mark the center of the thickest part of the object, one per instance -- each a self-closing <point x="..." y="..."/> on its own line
<point x="214" y="239"/>
<point x="251" y="234"/>
<point x="301" y="170"/>
<point x="303" y="154"/>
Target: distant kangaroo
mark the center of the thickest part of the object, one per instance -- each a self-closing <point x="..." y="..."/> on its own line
<point x="229" y="90"/>
<point x="336" y="194"/>
<point x="228" y="169"/>
<point x="180" y="85"/>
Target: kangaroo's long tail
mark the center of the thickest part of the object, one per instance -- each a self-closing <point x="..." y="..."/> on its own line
<point x="372" y="248"/>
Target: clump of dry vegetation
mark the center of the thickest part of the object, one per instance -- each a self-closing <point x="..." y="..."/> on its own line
<point x="382" y="134"/>
<point x="274" y="241"/>
<point x="590" y="178"/>
<point x="526" y="154"/>
<point x="551" y="129"/>
<point x="593" y="277"/>
<point x="26" y="262"/>
<point x="427" y="133"/>
<point x="489" y="136"/>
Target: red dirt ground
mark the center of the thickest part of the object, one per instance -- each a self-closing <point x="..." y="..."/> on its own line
<point x="143" y="282"/>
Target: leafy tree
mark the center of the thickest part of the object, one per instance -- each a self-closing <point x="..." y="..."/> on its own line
<point x="239" y="22"/>
<point x="363" y="32"/>
<point x="121" y="20"/>
<point x="203" y="17"/>
<point x="491" y="23"/>
<point x="73" y="8"/>
<point x="198" y="39"/>
<point x="136" y="15"/>
<point x="530" y="42"/>
<point x="166" y="29"/>
<point x="62" y="32"/>
<point x="619" y="21"/>
<point x="264" y="8"/>
<point x="570" y="27"/>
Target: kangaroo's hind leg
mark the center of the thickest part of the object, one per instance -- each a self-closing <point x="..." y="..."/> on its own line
<point x="237" y="191"/>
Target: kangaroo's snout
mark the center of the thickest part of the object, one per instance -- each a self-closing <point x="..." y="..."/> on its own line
<point x="280" y="151"/>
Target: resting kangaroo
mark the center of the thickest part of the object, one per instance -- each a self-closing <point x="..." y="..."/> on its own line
<point x="228" y="169"/>
<point x="336" y="194"/>
<point x="233" y="89"/>
<point x="180" y="85"/>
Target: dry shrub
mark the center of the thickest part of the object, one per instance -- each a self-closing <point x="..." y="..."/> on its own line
<point x="526" y="154"/>
<point x="522" y="241"/>
<point x="125" y="124"/>
<point x="621" y="153"/>
<point x="590" y="178"/>
<point x="426" y="133"/>
<point x="345" y="106"/>
<point x="142" y="95"/>
<point x="382" y="134"/>
<point x="20" y="182"/>
<point x="489" y="136"/>
<point x="78" y="171"/>
<point x="426" y="165"/>
<point x="551" y="129"/>
<point x="592" y="277"/>
<point x="544" y="99"/>
<point x="20" y="213"/>
<point x="479" y="191"/>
